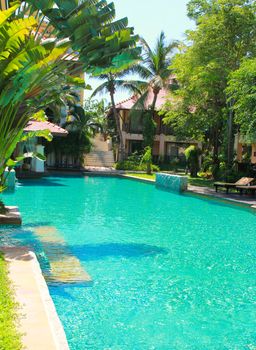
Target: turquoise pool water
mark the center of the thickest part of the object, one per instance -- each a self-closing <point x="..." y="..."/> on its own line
<point x="169" y="271"/>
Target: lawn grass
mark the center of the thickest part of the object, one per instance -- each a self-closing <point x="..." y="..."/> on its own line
<point x="10" y="339"/>
<point x="142" y="176"/>
<point x="195" y="181"/>
<point x="201" y="182"/>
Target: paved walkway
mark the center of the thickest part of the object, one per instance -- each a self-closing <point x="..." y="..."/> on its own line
<point x="207" y="191"/>
<point x="234" y="197"/>
<point x="39" y="322"/>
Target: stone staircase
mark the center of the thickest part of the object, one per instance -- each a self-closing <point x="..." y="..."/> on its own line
<point x="100" y="156"/>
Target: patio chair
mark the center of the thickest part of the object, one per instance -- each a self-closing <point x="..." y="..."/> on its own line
<point x="247" y="189"/>
<point x="244" y="181"/>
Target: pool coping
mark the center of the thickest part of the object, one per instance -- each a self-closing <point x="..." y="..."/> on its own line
<point x="11" y="217"/>
<point x="38" y="318"/>
<point x="203" y="192"/>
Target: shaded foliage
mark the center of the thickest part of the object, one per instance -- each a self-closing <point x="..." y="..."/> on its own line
<point x="200" y="108"/>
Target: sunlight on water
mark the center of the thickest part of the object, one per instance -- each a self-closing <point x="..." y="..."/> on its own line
<point x="168" y="272"/>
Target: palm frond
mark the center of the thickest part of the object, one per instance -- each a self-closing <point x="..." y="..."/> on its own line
<point x="100" y="90"/>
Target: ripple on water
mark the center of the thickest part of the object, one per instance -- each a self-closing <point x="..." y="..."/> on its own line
<point x="169" y="272"/>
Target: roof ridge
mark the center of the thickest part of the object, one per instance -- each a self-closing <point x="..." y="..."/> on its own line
<point x="126" y="100"/>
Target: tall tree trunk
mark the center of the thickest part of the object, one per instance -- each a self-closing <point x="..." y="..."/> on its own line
<point x="230" y="142"/>
<point x="216" y="162"/>
<point x="121" y="153"/>
<point x="152" y="122"/>
<point x="154" y="102"/>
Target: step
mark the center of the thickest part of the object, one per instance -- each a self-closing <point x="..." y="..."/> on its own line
<point x="98" y="164"/>
<point x="100" y="158"/>
<point x="64" y="266"/>
<point x="101" y="152"/>
<point x="99" y="155"/>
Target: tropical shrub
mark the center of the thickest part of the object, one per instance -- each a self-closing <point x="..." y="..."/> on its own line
<point x="75" y="144"/>
<point x="130" y="166"/>
<point x="26" y="81"/>
<point x="149" y="129"/>
<point x="147" y="159"/>
<point x="192" y="156"/>
<point x="135" y="162"/>
<point x="205" y="174"/>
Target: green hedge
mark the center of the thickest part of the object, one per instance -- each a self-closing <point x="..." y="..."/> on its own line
<point x="133" y="166"/>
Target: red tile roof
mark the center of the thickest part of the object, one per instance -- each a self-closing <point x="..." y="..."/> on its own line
<point x="161" y="99"/>
<point x="37" y="126"/>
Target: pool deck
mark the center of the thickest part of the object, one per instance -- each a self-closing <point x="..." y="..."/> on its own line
<point x="208" y="192"/>
<point x="233" y="197"/>
<point x="39" y="323"/>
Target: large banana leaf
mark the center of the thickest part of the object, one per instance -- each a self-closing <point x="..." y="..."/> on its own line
<point x="38" y="41"/>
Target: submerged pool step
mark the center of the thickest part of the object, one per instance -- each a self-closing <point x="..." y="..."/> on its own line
<point x="64" y="267"/>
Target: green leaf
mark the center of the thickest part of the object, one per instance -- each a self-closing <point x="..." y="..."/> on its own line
<point x="4" y="15"/>
<point x="40" y="133"/>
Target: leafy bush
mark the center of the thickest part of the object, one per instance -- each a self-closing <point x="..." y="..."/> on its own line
<point x="192" y="157"/>
<point x="129" y="165"/>
<point x="135" y="163"/>
<point x="174" y="163"/>
<point x="74" y="144"/>
<point x="147" y="159"/>
<point x="205" y="174"/>
<point x="135" y="158"/>
<point x="207" y="162"/>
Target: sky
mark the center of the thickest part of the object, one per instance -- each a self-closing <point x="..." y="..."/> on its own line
<point x="149" y="18"/>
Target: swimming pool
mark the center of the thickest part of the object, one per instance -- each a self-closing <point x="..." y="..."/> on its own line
<point x="169" y="271"/>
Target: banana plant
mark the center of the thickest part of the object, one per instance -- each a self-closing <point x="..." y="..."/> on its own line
<point x="28" y="74"/>
<point x="96" y="39"/>
<point x="43" y="44"/>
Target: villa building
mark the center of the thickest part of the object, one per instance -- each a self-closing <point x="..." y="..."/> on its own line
<point x="245" y="152"/>
<point x="167" y="146"/>
<point x="36" y="145"/>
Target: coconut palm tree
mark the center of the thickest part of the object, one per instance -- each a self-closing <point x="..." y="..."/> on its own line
<point x="155" y="72"/>
<point x="113" y="82"/>
<point x="154" y="68"/>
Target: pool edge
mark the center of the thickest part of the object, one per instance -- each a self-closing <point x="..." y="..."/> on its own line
<point x="31" y="291"/>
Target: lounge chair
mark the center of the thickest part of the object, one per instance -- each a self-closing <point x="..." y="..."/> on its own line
<point x="244" y="181"/>
<point x="247" y="189"/>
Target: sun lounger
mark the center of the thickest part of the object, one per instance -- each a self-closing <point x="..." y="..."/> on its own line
<point x="244" y="181"/>
<point x="247" y="189"/>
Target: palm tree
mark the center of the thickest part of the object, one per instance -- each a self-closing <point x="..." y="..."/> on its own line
<point x="154" y="67"/>
<point x="81" y="121"/>
<point x="113" y="82"/>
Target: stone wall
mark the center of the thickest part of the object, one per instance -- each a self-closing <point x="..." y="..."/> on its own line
<point x="173" y="183"/>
